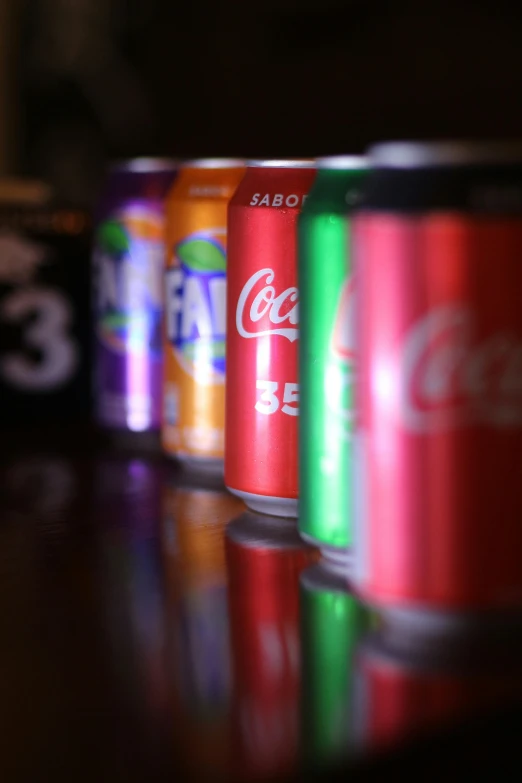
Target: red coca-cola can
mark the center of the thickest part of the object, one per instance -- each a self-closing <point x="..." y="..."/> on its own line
<point x="262" y="390"/>
<point x="438" y="246"/>
<point x="265" y="557"/>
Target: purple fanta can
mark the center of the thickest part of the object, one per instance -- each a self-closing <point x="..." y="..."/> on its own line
<point x="128" y="263"/>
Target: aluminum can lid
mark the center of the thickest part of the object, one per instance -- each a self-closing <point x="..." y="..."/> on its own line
<point x="213" y="163"/>
<point x="343" y="162"/>
<point x="420" y="154"/>
<point x="306" y="163"/>
<point x="144" y="165"/>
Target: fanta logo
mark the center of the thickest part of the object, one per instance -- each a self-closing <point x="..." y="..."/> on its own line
<point x="195" y="308"/>
<point x="129" y="261"/>
<point x="259" y="303"/>
<point x="195" y="304"/>
<point x="277" y="200"/>
<point x="342" y="337"/>
<point x="450" y="378"/>
<point x="129" y="269"/>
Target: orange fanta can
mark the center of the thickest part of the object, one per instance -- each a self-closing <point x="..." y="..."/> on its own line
<point x="195" y="311"/>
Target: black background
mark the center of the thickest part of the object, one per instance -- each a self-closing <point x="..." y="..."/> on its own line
<point x="283" y="77"/>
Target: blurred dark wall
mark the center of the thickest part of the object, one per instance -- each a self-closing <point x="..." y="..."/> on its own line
<point x="112" y="78"/>
<point x="8" y="56"/>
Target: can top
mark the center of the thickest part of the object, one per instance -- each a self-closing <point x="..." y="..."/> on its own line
<point x="343" y="162"/>
<point x="305" y="163"/>
<point x="428" y="154"/>
<point x="213" y="163"/>
<point x="144" y="165"/>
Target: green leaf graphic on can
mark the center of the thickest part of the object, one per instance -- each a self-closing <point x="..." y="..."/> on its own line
<point x="113" y="237"/>
<point x="115" y="320"/>
<point x="202" y="255"/>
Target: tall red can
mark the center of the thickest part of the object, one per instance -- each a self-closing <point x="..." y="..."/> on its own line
<point x="264" y="560"/>
<point x="262" y="391"/>
<point x="439" y="436"/>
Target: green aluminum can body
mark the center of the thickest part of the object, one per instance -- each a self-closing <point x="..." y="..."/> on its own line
<point x="332" y="622"/>
<point x="326" y="355"/>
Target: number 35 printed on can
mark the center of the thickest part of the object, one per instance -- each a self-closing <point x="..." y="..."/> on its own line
<point x="270" y="400"/>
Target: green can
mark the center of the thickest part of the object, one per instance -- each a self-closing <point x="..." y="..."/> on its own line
<point x="326" y="354"/>
<point x="332" y="623"/>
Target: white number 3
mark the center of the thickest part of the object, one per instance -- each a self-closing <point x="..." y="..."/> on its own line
<point x="48" y="333"/>
<point x="269" y="402"/>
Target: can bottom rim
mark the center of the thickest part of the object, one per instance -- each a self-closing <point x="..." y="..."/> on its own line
<point x="268" y="504"/>
<point x="338" y="559"/>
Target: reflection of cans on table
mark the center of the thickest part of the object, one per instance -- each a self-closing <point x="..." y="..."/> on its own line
<point x="194" y="520"/>
<point x="193" y="524"/>
<point x="327" y="353"/>
<point x="264" y="559"/>
<point x="332" y="621"/>
<point x="44" y="306"/>
<point x="195" y="297"/>
<point x="127" y="497"/>
<point x="405" y="688"/>
<point x="438" y="244"/>
<point x="262" y="392"/>
<point x="128" y="263"/>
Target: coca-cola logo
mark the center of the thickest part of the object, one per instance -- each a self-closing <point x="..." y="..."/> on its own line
<point x="259" y="303"/>
<point x="452" y="378"/>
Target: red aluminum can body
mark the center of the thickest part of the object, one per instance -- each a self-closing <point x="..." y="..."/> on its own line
<point x="262" y="392"/>
<point x="439" y="431"/>
<point x="264" y="560"/>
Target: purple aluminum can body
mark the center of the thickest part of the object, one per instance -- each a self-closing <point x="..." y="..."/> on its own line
<point x="128" y="263"/>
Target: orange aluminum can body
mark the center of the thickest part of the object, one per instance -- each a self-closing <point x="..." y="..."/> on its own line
<point x="195" y="311"/>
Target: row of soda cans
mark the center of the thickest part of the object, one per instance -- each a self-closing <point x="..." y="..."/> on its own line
<point x="369" y="313"/>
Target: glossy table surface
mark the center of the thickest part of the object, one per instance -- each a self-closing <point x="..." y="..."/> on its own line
<point x="152" y="629"/>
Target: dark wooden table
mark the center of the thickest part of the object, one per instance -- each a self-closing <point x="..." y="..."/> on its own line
<point x="116" y="660"/>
